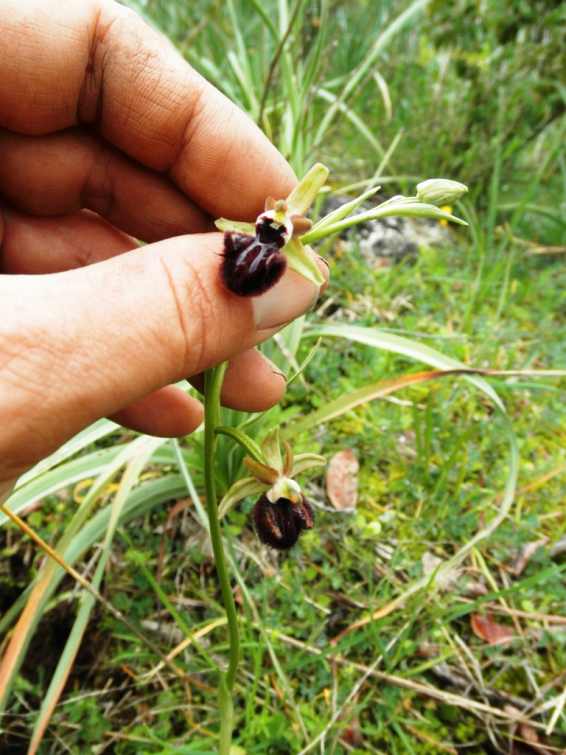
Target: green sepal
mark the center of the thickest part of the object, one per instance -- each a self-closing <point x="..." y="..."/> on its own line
<point x="223" y="224"/>
<point x="304" y="193"/>
<point x="247" y="486"/>
<point x="299" y="260"/>
<point x="271" y="449"/>
<point x="261" y="472"/>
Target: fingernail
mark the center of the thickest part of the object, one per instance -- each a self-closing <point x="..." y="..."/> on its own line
<point x="288" y="299"/>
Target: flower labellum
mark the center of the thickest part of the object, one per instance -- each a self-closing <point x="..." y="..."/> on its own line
<point x="253" y="264"/>
<point x="279" y="524"/>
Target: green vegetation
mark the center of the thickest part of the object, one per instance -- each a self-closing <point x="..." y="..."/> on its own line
<point x="398" y="92"/>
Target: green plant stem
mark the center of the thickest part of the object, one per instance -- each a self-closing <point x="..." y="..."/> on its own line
<point x="212" y="385"/>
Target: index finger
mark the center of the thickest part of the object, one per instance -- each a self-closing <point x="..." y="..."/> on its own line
<point x="98" y="63"/>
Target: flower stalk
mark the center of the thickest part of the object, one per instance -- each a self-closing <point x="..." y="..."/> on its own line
<point x="212" y="386"/>
<point x="255" y="256"/>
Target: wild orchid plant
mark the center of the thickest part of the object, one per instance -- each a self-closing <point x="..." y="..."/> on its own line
<point x="254" y="259"/>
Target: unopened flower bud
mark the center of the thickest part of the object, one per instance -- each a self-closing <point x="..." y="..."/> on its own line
<point x="440" y="191"/>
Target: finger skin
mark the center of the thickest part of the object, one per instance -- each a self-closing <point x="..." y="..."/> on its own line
<point x="33" y="246"/>
<point x="83" y="344"/>
<point x="49" y="245"/>
<point x="168" y="413"/>
<point x="97" y="63"/>
<point x="64" y="172"/>
<point x="252" y="383"/>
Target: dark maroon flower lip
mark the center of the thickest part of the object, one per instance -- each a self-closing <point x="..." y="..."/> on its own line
<point x="279" y="524"/>
<point x="252" y="265"/>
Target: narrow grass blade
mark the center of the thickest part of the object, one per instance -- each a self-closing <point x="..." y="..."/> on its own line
<point x="399" y="345"/>
<point x="359" y="73"/>
<point x="87" y="437"/>
<point x="129" y="479"/>
<point x="51" y="573"/>
<point x="51" y="481"/>
<point x="351" y="400"/>
<point x="354" y="119"/>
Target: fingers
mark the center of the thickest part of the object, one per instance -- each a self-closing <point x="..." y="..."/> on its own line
<point x="83" y="344"/>
<point x="47" y="245"/>
<point x="169" y="413"/>
<point x="31" y="245"/>
<point x="65" y="172"/>
<point x="252" y="383"/>
<point x="96" y="62"/>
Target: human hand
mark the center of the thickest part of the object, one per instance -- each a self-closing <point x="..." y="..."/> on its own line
<point x="106" y="136"/>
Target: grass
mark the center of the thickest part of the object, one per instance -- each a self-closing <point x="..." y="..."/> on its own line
<point x="318" y="674"/>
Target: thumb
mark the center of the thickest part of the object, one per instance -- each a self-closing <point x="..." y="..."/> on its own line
<point x="83" y="344"/>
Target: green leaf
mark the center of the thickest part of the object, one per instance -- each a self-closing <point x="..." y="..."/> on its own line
<point x="363" y="395"/>
<point x="53" y="480"/>
<point x="85" y="438"/>
<point x="244" y="440"/>
<point x="133" y="470"/>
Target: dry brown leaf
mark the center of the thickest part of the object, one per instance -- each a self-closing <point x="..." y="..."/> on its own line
<point x="342" y="480"/>
<point x="489" y="630"/>
<point x="352" y="735"/>
<point x="531" y="736"/>
<point x="525" y="554"/>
